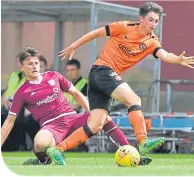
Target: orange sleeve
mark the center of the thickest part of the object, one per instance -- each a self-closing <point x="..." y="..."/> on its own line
<point x="155" y="46"/>
<point x="115" y="29"/>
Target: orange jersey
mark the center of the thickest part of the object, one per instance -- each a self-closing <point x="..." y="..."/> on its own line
<point x="126" y="46"/>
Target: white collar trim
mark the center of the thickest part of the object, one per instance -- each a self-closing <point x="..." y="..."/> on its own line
<point x="37" y="81"/>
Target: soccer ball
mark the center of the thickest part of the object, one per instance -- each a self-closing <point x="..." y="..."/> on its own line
<point x="127" y="156"/>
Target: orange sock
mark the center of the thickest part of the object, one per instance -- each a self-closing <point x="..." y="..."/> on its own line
<point x="137" y="121"/>
<point x="76" y="138"/>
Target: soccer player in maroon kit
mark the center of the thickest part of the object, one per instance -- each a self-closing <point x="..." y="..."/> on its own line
<point x="42" y="95"/>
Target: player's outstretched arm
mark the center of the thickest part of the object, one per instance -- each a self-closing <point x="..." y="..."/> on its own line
<point x="80" y="98"/>
<point x="70" y="50"/>
<point x="7" y="127"/>
<point x="174" y="59"/>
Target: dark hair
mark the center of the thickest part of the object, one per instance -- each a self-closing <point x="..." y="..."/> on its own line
<point x="74" y="62"/>
<point x="43" y="59"/>
<point x="28" y="52"/>
<point x="150" y="7"/>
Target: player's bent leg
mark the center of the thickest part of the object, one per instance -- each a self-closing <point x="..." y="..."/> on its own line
<point x="42" y="141"/>
<point x="56" y="152"/>
<point x="125" y="94"/>
<point x="94" y="125"/>
<point x="109" y="127"/>
<point x="79" y="136"/>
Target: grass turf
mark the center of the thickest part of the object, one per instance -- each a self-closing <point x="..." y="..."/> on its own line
<point x="102" y="164"/>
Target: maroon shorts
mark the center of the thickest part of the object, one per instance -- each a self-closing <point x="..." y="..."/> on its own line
<point x="64" y="126"/>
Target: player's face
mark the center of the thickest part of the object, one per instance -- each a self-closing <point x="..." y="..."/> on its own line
<point x="31" y="68"/>
<point x="150" y="21"/>
<point x="72" y="72"/>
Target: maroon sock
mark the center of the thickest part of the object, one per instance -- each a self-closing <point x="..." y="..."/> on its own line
<point x="42" y="156"/>
<point x="114" y="134"/>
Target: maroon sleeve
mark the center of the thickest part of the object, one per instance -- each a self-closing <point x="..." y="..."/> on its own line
<point x="17" y="104"/>
<point x="64" y="83"/>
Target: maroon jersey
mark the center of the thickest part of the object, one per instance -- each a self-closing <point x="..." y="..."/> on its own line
<point x="44" y="98"/>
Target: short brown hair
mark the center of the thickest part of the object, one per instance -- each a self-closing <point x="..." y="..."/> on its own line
<point x="28" y="52"/>
<point x="150" y="7"/>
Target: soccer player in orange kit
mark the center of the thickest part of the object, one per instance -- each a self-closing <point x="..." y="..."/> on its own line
<point x="129" y="43"/>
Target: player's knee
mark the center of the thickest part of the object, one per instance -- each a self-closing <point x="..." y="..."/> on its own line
<point x="43" y="140"/>
<point x="40" y="146"/>
<point x="43" y="143"/>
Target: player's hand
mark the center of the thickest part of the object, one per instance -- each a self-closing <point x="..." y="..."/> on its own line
<point x="186" y="61"/>
<point x="67" y="52"/>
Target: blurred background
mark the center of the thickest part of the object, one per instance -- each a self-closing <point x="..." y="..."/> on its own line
<point x="166" y="90"/>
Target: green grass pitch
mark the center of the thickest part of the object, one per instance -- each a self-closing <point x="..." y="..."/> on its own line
<point x="102" y="164"/>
